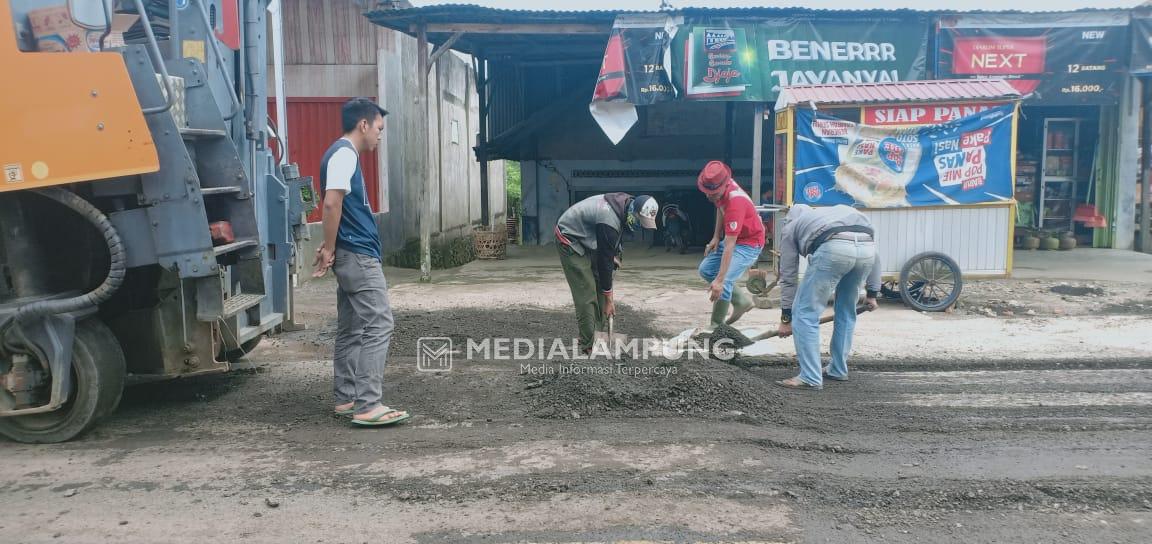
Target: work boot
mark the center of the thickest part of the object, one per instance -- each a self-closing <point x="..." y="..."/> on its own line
<point x="719" y="311"/>
<point x="741" y="303"/>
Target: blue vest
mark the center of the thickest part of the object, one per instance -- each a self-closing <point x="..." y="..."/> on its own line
<point x="357" y="232"/>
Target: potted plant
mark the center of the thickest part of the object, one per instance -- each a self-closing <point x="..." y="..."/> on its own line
<point x="1068" y="241"/>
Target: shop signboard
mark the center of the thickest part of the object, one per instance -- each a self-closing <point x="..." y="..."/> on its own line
<point x="1061" y="59"/>
<point x="1142" y="47"/>
<point x="966" y="160"/>
<point x="749" y="60"/>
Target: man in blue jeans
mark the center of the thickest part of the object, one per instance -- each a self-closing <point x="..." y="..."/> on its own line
<point x="840" y="244"/>
<point x="735" y="246"/>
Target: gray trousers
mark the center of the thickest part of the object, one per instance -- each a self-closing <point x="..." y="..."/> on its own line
<point x="363" y="330"/>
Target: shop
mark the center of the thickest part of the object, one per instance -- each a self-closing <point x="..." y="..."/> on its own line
<point x="1071" y="68"/>
<point x="929" y="162"/>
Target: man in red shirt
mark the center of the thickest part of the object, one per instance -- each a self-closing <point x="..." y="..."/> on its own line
<point x="736" y="242"/>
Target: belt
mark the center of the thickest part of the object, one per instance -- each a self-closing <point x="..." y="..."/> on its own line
<point x="855" y="236"/>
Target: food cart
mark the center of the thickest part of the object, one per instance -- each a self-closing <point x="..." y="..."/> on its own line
<point x="931" y="163"/>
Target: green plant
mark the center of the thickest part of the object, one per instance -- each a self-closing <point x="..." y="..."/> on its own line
<point x="445" y="254"/>
<point x="512" y="188"/>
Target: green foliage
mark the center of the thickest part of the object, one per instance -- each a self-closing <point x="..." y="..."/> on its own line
<point x="512" y="188"/>
<point x="450" y="254"/>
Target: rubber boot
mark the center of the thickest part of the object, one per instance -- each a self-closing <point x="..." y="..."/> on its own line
<point x="741" y="303"/>
<point x="719" y="311"/>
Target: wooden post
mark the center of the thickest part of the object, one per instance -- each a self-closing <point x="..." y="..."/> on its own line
<point x="728" y="106"/>
<point x="757" y="151"/>
<point x="1146" y="158"/>
<point x="420" y="142"/>
<point x="482" y="140"/>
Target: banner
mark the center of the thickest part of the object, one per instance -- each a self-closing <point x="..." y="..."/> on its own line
<point x="964" y="161"/>
<point x="651" y="58"/>
<point x="1141" y="47"/>
<point x="633" y="71"/>
<point x="1065" y="59"/>
<point x="749" y="60"/>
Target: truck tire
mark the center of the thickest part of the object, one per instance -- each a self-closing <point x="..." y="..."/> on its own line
<point x="98" y="371"/>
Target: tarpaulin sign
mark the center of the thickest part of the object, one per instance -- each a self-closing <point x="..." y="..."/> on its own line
<point x="1063" y="59"/>
<point x="1141" y="47"/>
<point x="749" y="60"/>
<point x="964" y="161"/>
<point x="633" y="71"/>
<point x="921" y="114"/>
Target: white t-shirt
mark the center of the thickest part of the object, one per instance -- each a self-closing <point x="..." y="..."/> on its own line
<point x="341" y="168"/>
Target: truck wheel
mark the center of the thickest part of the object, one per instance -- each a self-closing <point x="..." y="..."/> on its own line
<point x="98" y="371"/>
<point x="247" y="347"/>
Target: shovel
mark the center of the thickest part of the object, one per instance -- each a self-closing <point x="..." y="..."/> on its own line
<point x="741" y="338"/>
<point x="776" y="332"/>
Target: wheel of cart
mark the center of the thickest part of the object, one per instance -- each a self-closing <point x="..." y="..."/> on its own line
<point x="930" y="282"/>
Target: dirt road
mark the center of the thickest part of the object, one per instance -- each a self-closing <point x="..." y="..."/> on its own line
<point x="911" y="449"/>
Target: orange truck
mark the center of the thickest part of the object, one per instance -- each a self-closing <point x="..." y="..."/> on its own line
<point x="148" y="228"/>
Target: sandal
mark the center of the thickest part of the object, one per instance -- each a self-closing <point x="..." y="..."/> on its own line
<point x="797" y="383"/>
<point x="379" y="419"/>
<point x="346" y="409"/>
<point x="828" y="376"/>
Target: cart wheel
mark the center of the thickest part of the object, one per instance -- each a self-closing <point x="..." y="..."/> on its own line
<point x="757" y="285"/>
<point x="930" y="282"/>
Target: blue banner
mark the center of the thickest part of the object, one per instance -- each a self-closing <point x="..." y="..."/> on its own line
<point x="965" y="161"/>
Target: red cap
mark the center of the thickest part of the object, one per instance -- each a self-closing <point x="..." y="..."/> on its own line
<point x="714" y="177"/>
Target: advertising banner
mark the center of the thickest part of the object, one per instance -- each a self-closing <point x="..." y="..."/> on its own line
<point x="1065" y="59"/>
<point x="1141" y="47"/>
<point x="749" y="60"/>
<point x="633" y="71"/>
<point x="964" y="161"/>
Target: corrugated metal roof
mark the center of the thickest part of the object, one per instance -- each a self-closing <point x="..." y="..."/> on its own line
<point x="473" y="13"/>
<point x="903" y="91"/>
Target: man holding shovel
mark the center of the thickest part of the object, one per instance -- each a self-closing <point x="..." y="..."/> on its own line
<point x="736" y="243"/>
<point x="588" y="240"/>
<point x="840" y="244"/>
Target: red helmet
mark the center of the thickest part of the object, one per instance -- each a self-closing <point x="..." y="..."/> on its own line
<point x="714" y="178"/>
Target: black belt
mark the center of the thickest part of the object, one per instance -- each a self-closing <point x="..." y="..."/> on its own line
<point x="831" y="232"/>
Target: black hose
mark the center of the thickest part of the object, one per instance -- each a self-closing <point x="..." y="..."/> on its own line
<point x="116" y="271"/>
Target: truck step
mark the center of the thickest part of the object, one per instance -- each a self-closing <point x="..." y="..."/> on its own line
<point x="234" y="246"/>
<point x="209" y="191"/>
<point x="193" y="133"/>
<point x="241" y="302"/>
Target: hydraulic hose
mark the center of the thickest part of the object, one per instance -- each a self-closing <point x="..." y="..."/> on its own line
<point x="116" y="271"/>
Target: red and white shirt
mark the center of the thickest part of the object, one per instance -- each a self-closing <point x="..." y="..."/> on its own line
<point x="740" y="217"/>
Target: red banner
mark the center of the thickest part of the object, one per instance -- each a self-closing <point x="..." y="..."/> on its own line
<point x="924" y="114"/>
<point x="999" y="55"/>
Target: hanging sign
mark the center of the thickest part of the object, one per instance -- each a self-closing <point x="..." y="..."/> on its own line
<point x="1141" y="47"/>
<point x="749" y="60"/>
<point x="963" y="161"/>
<point x="1064" y="59"/>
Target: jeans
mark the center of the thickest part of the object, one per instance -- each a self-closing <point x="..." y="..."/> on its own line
<point x="743" y="257"/>
<point x="363" y="330"/>
<point x="841" y="266"/>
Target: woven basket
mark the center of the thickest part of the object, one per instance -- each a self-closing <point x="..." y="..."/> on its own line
<point x="491" y="244"/>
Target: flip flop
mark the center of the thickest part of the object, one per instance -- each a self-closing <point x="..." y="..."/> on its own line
<point x="377" y="421"/>
<point x="828" y="376"/>
<point x="803" y="385"/>
<point x="346" y="412"/>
